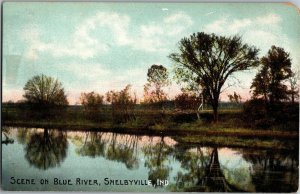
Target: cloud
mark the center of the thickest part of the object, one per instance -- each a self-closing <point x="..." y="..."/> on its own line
<point x="82" y="44"/>
<point x="85" y="71"/>
<point x="152" y="37"/>
<point x="115" y="27"/>
<point x="179" y="18"/>
<point x="261" y="31"/>
<point x="269" y="19"/>
<point x="117" y="23"/>
<point x="227" y="25"/>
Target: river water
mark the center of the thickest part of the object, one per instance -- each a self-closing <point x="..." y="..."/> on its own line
<point x="48" y="159"/>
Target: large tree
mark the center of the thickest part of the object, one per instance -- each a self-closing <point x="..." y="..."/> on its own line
<point x="269" y="81"/>
<point x="45" y="90"/>
<point x="207" y="60"/>
<point x="157" y="78"/>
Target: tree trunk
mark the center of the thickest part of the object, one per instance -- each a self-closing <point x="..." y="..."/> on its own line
<point x="216" y="116"/>
<point x="215" y="105"/>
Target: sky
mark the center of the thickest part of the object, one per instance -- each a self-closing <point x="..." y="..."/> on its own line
<point x="92" y="46"/>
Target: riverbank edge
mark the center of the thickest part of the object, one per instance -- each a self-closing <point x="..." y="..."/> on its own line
<point x="154" y="130"/>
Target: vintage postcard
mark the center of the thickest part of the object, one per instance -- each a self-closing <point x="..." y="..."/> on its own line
<point x="150" y="97"/>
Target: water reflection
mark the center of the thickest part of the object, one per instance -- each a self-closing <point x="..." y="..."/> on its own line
<point x="111" y="146"/>
<point x="273" y="171"/>
<point x="186" y="167"/>
<point x="6" y="132"/>
<point x="46" y="149"/>
<point x="202" y="171"/>
<point x="93" y="145"/>
<point x="156" y="160"/>
<point x="124" y="150"/>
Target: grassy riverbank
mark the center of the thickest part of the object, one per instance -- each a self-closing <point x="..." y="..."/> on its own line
<point x="232" y="130"/>
<point x="195" y="128"/>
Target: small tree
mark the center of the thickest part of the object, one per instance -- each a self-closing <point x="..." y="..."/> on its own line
<point x="269" y="81"/>
<point x="207" y="60"/>
<point x="157" y="79"/>
<point x="43" y="90"/>
<point x="122" y="103"/>
<point x="91" y="103"/>
<point x="235" y="98"/>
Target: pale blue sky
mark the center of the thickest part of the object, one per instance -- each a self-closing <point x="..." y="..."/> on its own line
<point x="104" y="46"/>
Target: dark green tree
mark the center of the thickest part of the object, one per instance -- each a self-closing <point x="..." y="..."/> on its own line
<point x="157" y="78"/>
<point x="207" y="60"/>
<point x="45" y="90"/>
<point x="269" y="81"/>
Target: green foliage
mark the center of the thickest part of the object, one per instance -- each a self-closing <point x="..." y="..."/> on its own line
<point x="269" y="81"/>
<point x="207" y="60"/>
<point x="45" y="90"/>
<point x="157" y="78"/>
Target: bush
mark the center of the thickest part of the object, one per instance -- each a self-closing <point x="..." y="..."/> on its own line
<point x="187" y="101"/>
<point x="257" y="114"/>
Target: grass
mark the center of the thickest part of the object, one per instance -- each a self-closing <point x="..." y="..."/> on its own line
<point x="152" y="121"/>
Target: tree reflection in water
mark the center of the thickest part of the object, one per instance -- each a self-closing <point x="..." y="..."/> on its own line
<point x="202" y="171"/>
<point x="24" y="134"/>
<point x="273" y="171"/>
<point x="156" y="158"/>
<point x="46" y="149"/>
<point x="93" y="145"/>
<point x="123" y="150"/>
<point x="6" y="132"/>
<point x="112" y="146"/>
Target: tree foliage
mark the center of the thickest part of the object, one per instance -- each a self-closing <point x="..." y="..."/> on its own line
<point x="185" y="101"/>
<point x="207" y="61"/>
<point x="122" y="103"/>
<point x="269" y="81"/>
<point x="91" y="100"/>
<point x="157" y="78"/>
<point x="45" y="90"/>
<point x="92" y="103"/>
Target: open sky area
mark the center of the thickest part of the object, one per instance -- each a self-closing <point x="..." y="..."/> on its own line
<point x="99" y="47"/>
